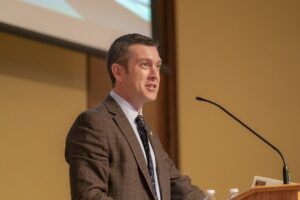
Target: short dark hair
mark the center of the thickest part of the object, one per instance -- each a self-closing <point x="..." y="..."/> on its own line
<point x="118" y="51"/>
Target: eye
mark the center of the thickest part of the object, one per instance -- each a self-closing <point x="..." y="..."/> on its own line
<point x="158" y="66"/>
<point x="144" y="65"/>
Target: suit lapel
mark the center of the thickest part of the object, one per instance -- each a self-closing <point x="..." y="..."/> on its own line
<point x="161" y="169"/>
<point x="125" y="127"/>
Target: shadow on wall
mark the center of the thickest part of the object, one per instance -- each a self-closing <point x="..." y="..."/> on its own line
<point x="17" y="62"/>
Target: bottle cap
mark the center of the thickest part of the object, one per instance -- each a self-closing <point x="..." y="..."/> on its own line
<point x="234" y="190"/>
<point x="210" y="191"/>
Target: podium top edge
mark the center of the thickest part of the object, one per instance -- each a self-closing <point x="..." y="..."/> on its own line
<point x="262" y="189"/>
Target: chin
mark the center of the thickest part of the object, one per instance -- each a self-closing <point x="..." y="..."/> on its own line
<point x="151" y="97"/>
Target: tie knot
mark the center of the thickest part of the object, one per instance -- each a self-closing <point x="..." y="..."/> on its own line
<point x="139" y="120"/>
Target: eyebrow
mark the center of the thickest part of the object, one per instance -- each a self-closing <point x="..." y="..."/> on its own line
<point x="147" y="59"/>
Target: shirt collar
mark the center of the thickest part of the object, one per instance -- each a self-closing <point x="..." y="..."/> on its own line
<point x="130" y="112"/>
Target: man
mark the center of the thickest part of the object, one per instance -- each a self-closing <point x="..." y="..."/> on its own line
<point x="111" y="152"/>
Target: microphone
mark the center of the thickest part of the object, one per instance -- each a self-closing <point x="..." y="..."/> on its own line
<point x="285" y="171"/>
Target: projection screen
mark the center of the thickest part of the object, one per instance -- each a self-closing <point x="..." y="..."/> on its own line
<point x="89" y="23"/>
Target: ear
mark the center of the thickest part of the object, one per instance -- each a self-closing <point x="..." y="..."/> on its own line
<point x="117" y="71"/>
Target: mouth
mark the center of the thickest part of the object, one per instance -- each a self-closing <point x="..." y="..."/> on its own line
<point x="151" y="87"/>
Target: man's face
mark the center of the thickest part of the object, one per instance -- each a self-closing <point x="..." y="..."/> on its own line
<point x="141" y="81"/>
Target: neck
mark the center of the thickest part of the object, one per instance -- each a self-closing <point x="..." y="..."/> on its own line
<point x="137" y="106"/>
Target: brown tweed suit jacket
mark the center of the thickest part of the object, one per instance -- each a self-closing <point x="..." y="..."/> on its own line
<point x="106" y="160"/>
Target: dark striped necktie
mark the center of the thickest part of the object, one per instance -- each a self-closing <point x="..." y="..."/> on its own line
<point x="143" y="132"/>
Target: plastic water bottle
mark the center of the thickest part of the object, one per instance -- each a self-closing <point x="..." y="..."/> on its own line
<point x="210" y="195"/>
<point x="233" y="192"/>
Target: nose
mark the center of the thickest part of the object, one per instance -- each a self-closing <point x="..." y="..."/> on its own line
<point x="154" y="72"/>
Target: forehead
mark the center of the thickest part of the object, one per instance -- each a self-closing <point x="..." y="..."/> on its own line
<point x="143" y="51"/>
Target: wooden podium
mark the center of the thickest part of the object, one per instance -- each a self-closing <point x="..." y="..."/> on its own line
<point x="280" y="192"/>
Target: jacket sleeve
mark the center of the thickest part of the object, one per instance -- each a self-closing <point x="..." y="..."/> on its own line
<point x="181" y="186"/>
<point x="87" y="152"/>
